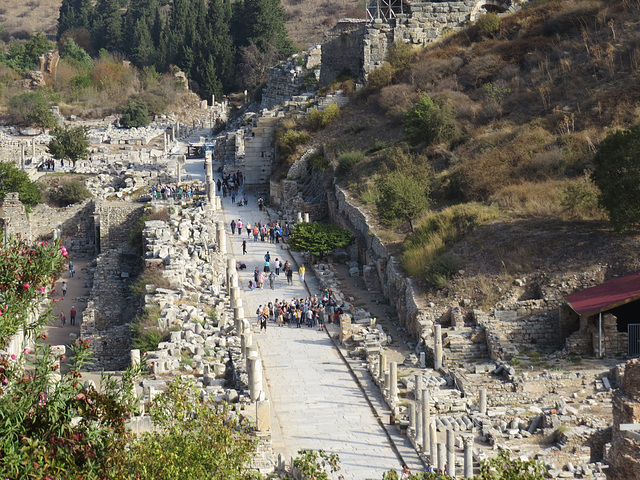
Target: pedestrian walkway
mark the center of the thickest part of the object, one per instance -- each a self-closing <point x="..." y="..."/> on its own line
<point x="315" y="401"/>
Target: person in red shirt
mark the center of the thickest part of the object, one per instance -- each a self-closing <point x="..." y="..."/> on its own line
<point x="72" y="315"/>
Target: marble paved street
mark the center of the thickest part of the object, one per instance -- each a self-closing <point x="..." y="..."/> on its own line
<point x="315" y="401"/>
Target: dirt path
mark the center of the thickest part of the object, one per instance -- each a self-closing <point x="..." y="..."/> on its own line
<point x="77" y="296"/>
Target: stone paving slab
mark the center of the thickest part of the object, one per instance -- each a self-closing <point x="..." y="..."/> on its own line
<point x="315" y="398"/>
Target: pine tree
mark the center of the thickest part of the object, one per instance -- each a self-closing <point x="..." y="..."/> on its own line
<point x="264" y="22"/>
<point x="107" y="26"/>
<point x="142" y="51"/>
<point x="207" y="78"/>
<point x="137" y="24"/>
<point x="219" y="41"/>
<point x="74" y="14"/>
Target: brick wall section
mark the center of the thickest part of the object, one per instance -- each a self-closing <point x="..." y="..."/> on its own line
<point x="624" y="460"/>
<point x="14" y="218"/>
<point x="117" y="219"/>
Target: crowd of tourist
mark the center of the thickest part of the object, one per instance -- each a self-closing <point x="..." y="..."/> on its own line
<point x="311" y="311"/>
<point x="166" y="191"/>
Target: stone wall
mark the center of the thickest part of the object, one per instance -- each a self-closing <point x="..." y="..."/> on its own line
<point x="342" y="50"/>
<point x="13" y="217"/>
<point x="107" y="318"/>
<point x="585" y="341"/>
<point x="624" y="460"/>
<point x="74" y="221"/>
<point x="115" y="220"/>
<point x="413" y="312"/>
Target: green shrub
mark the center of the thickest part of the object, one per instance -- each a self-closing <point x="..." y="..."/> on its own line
<point x="148" y="340"/>
<point x="580" y="198"/>
<point x="380" y="77"/>
<point x="401" y="56"/>
<point x="12" y="179"/>
<point x="429" y="122"/>
<point x="376" y="147"/>
<point x="70" y="50"/>
<point x="348" y="160"/>
<point x="318" y="119"/>
<point x="488" y="25"/>
<point x="68" y="193"/>
<point x="135" y="235"/>
<point x="355" y="128"/>
<point x="441" y="270"/>
<point x="288" y="140"/>
<point x="318" y="238"/>
<point x="135" y="114"/>
<point x="318" y="161"/>
<point x="401" y="198"/>
<point x="31" y="109"/>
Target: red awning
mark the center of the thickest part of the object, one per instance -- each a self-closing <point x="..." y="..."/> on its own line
<point x="606" y="295"/>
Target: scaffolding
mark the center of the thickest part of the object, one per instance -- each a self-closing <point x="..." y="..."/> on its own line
<point x="385" y="10"/>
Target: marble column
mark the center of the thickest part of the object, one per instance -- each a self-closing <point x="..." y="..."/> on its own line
<point x="468" y="457"/>
<point x="437" y="361"/>
<point x="451" y="453"/>
<point x="382" y="366"/>
<point x="393" y="383"/>
<point x="482" y="402"/>
<point x="426" y="419"/>
<point x="433" y="438"/>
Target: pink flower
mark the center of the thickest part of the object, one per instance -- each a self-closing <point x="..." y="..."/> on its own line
<point x="43" y="289"/>
<point x="5" y="381"/>
<point x="13" y="357"/>
<point x="27" y="286"/>
<point x="26" y="351"/>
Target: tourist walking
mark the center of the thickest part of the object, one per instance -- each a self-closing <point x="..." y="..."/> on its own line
<point x="233" y="227"/>
<point x="260" y="281"/>
<point x="272" y="280"/>
<point x="64" y="288"/>
<point x="239" y="224"/>
<point x="70" y="269"/>
<point x="302" y="271"/>
<point x="276" y="266"/>
<point x="244" y="246"/>
<point x="72" y="315"/>
<point x="289" y="273"/>
<point x="63" y="319"/>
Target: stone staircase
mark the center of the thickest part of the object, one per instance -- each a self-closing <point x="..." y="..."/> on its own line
<point x="464" y="345"/>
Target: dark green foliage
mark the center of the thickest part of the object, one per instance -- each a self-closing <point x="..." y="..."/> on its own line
<point x="318" y="238"/>
<point x="488" y="25"/>
<point x="441" y="270"/>
<point x="135" y="114"/>
<point x="107" y="25"/>
<point x="318" y="161"/>
<point x="27" y="57"/>
<point x="71" y="50"/>
<point x="12" y="179"/>
<point x="348" y="160"/>
<point x="68" y="193"/>
<point x="74" y="14"/>
<point x="289" y="140"/>
<point x="401" y="198"/>
<point x="69" y="143"/>
<point x="31" y="109"/>
<point x="617" y="175"/>
<point x="429" y="122"/>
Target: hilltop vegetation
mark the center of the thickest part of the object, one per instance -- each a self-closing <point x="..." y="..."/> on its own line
<point x="499" y="123"/>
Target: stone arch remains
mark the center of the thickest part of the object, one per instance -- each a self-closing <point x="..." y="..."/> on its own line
<point x="495" y="6"/>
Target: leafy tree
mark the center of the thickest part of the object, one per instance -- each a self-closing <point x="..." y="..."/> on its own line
<point x="71" y="50"/>
<point x="314" y="465"/>
<point x="430" y="123"/>
<point x="12" y="179"/>
<point x="506" y="468"/>
<point x="193" y="440"/>
<point x="74" y="14"/>
<point x="219" y="42"/>
<point x="617" y="174"/>
<point x="318" y="238"/>
<point x="68" y="192"/>
<point x="401" y="198"/>
<point x="27" y="56"/>
<point x="69" y="143"/>
<point x="135" y="114"/>
<point x="264" y="26"/>
<point x="31" y="109"/>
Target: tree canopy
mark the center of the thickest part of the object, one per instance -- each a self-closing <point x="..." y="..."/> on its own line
<point x="401" y="198"/>
<point x="12" y="179"/>
<point x="318" y="238"/>
<point x="617" y="174"/>
<point x="70" y="143"/>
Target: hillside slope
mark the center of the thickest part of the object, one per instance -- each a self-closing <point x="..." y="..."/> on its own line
<point x="529" y="98"/>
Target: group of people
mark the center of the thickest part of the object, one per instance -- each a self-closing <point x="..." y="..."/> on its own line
<point x="167" y="191"/>
<point x="229" y="184"/>
<point x="272" y="233"/>
<point x="271" y="270"/>
<point x="73" y="312"/>
<point x="312" y="311"/>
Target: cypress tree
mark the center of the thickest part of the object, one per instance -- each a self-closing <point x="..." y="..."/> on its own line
<point x="107" y="26"/>
<point x="219" y="41"/>
<point x="142" y="49"/>
<point x="74" y="14"/>
<point x="265" y="24"/>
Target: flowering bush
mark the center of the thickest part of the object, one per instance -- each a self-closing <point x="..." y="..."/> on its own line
<point x="25" y="273"/>
<point x="60" y="429"/>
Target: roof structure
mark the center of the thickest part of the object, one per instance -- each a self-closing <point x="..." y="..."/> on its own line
<point x="605" y="296"/>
